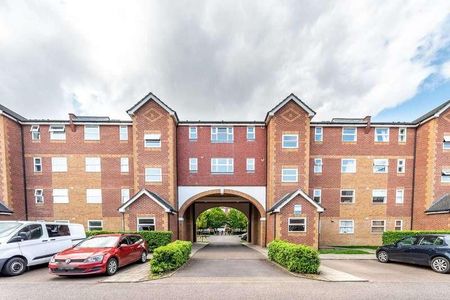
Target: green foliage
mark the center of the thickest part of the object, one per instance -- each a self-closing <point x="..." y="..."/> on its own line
<point x="236" y="219"/>
<point x="215" y="218"/>
<point x="170" y="257"/>
<point x="154" y="239"/>
<point x="342" y="251"/>
<point x="202" y="221"/>
<point x="390" y="237"/>
<point x="294" y="257"/>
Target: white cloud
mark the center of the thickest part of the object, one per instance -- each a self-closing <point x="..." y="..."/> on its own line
<point x="445" y="70"/>
<point x="217" y="59"/>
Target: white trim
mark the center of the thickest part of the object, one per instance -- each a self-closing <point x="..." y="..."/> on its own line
<point x="139" y="218"/>
<point x="283" y="146"/>
<point x="122" y="209"/>
<point x="305" y="196"/>
<point x="436" y="115"/>
<point x="89" y="227"/>
<point x="262" y="219"/>
<point x="149" y="97"/>
<point x="221" y="123"/>
<point x="347" y="220"/>
<point x="294" y="98"/>
<point x="297" y="218"/>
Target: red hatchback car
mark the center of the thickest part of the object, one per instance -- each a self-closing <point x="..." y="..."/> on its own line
<point x="99" y="254"/>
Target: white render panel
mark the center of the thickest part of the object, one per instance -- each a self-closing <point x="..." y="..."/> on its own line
<point x="186" y="192"/>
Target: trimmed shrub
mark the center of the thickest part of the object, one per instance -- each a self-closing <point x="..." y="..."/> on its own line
<point x="294" y="257"/>
<point x="170" y="257"/>
<point x="154" y="239"/>
<point x="390" y="237"/>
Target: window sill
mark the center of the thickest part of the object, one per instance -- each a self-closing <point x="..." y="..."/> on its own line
<point x="347" y="203"/>
<point x="218" y="173"/>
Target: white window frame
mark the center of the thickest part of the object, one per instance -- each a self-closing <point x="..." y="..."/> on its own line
<point x="62" y="221"/>
<point x="93" y="228"/>
<point x="285" y="143"/>
<point x="193" y="164"/>
<point x="346" y="229"/>
<point x="285" y="177"/>
<point x="377" y="226"/>
<point x="146" y="224"/>
<point x="296" y="218"/>
<point x="352" y="135"/>
<point x="57" y="132"/>
<point x="446" y="142"/>
<point x="402" y="136"/>
<point x="92" y="164"/>
<point x="379" y="193"/>
<point x="39" y="194"/>
<point x="401" y="165"/>
<point x="384" y="137"/>
<point x="124" y="165"/>
<point x="445" y="176"/>
<point x="124" y="195"/>
<point x="317" y="193"/>
<point x="92" y="132"/>
<point x="344" y="167"/>
<point x="380" y="165"/>
<point x="318" y="134"/>
<point x="60" y="195"/>
<point x="215" y="134"/>
<point x="35" y="133"/>
<point x="251" y="133"/>
<point x="36" y="165"/>
<point x="153" y="174"/>
<point x="399" y="196"/>
<point x="59" y="164"/>
<point x="250" y="165"/>
<point x="94" y="196"/>
<point x="318" y="165"/>
<point x="193" y="133"/>
<point x="398" y="226"/>
<point x="152" y="140"/>
<point x="123" y="133"/>
<point x="217" y="163"/>
<point x="347" y="196"/>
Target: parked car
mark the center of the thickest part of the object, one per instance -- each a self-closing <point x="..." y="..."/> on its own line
<point x="244" y="236"/>
<point x="99" y="254"/>
<point x="428" y="250"/>
<point x="24" y="243"/>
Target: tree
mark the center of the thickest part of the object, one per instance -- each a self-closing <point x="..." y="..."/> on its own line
<point x="237" y="219"/>
<point x="216" y="217"/>
<point x="202" y="221"/>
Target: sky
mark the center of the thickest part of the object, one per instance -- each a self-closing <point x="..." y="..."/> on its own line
<point x="225" y="60"/>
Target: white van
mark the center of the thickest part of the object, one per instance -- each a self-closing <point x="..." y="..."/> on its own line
<point x="27" y="243"/>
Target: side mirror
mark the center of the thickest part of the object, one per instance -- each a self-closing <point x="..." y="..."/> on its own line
<point x="15" y="239"/>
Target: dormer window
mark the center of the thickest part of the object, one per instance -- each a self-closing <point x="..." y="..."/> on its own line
<point x="57" y="132"/>
<point x="445" y="175"/>
<point x="152" y="140"/>
<point x="221" y="134"/>
<point x="91" y="132"/>
<point x="35" y="133"/>
<point x="446" y="142"/>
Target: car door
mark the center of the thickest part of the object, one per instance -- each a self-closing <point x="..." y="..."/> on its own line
<point x="137" y="249"/>
<point x="425" y="249"/>
<point x="59" y="237"/>
<point x="402" y="250"/>
<point x="125" y="252"/>
<point x="33" y="244"/>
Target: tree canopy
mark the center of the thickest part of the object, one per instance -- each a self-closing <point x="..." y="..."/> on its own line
<point x="215" y="218"/>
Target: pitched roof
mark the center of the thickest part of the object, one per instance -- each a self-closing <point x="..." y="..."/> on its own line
<point x="155" y="197"/>
<point x="294" y="98"/>
<point x="4" y="210"/>
<point x="289" y="196"/>
<point x="434" y="112"/>
<point x="150" y="96"/>
<point x="442" y="205"/>
<point x="11" y="113"/>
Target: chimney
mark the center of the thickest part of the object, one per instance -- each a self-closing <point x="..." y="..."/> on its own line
<point x="367" y="119"/>
<point x="72" y="117"/>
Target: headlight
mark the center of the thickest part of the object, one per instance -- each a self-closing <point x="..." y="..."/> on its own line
<point x="52" y="260"/>
<point x="95" y="258"/>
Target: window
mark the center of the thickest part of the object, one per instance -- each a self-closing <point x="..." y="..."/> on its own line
<point x="379" y="196"/>
<point x="402" y="135"/>
<point x="399" y="196"/>
<point x="62" y="221"/>
<point x="91" y="132"/>
<point x="193" y="165"/>
<point x="124" y="165"/>
<point x="95" y="225"/>
<point x="408" y="241"/>
<point x="57" y="230"/>
<point x="250" y="133"/>
<point x="290" y="141"/>
<point x="250" y="165"/>
<point x="445" y="176"/>
<point x="401" y="165"/>
<point x="378" y="226"/>
<point x="153" y="175"/>
<point x="193" y="133"/>
<point x="37" y="162"/>
<point x="346" y="226"/>
<point x="39" y="196"/>
<point x="446" y="142"/>
<point x="382" y="135"/>
<point x="347" y="196"/>
<point x="145" y="224"/>
<point x="222" y="165"/>
<point x="398" y="225"/>
<point x="31" y="232"/>
<point x="318" y="134"/>
<point x="124" y="195"/>
<point x="349" y="134"/>
<point x="348" y="165"/>
<point x="60" y="196"/>
<point x="297" y="209"/>
<point x="93" y="196"/>
<point x="93" y="164"/>
<point x="221" y="134"/>
<point x="289" y="175"/>
<point x="317" y="195"/>
<point x="380" y="165"/>
<point x="152" y="140"/>
<point x="57" y="132"/>
<point x="35" y="133"/>
<point x="297" y="225"/>
<point x="317" y="165"/>
<point x="123" y="133"/>
<point x="59" y="164"/>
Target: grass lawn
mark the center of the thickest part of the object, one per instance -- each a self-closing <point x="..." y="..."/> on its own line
<point x="342" y="251"/>
<point x="359" y="247"/>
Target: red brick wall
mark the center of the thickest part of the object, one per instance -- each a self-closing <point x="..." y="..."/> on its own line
<point x="145" y="207"/>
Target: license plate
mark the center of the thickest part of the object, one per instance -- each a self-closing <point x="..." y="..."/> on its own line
<point x="66" y="267"/>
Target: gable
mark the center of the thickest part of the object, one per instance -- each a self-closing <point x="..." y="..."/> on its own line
<point x="290" y="99"/>
<point x="149" y="98"/>
<point x="276" y="208"/>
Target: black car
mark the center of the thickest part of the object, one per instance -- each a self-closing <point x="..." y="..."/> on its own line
<point x="428" y="250"/>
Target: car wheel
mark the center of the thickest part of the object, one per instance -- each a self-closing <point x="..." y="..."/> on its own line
<point x="440" y="264"/>
<point x="15" y="266"/>
<point x="111" y="266"/>
<point x="143" y="258"/>
<point x="383" y="256"/>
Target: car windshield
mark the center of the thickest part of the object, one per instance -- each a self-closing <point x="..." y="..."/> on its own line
<point x="99" y="242"/>
<point x="6" y="228"/>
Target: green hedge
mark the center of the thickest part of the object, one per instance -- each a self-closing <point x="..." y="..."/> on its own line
<point x="390" y="237"/>
<point x="294" y="257"/>
<point x="154" y="239"/>
<point x="170" y="257"/>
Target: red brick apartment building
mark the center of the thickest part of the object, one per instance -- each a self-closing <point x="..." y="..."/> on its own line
<point x="341" y="182"/>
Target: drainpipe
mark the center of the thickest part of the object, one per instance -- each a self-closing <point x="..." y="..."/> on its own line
<point x="274" y="226"/>
<point x="24" y="173"/>
<point x="414" y="178"/>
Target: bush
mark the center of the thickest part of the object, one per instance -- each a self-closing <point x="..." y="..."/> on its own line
<point x="390" y="237"/>
<point x="154" y="239"/>
<point x="294" y="257"/>
<point x="170" y="257"/>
